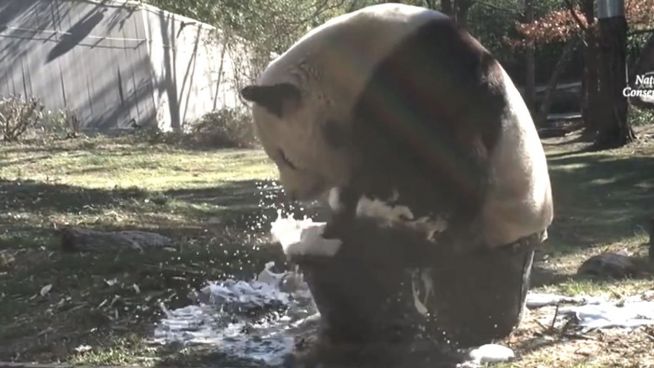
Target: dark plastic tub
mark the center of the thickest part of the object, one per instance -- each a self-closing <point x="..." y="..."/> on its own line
<point x="474" y="298"/>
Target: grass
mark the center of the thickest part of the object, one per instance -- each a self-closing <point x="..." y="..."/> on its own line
<point x="209" y="202"/>
<point x="215" y="204"/>
<point x="603" y="201"/>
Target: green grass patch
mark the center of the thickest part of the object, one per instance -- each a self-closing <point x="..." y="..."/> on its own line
<point x="209" y="202"/>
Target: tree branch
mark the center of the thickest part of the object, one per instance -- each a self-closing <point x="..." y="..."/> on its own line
<point x="566" y="55"/>
<point x="574" y="14"/>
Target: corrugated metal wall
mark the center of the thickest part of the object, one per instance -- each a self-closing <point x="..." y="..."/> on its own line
<point x="115" y="64"/>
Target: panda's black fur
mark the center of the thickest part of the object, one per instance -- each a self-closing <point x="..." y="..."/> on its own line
<point x="433" y="150"/>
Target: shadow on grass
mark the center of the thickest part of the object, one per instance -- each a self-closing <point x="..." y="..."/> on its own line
<point x="206" y="359"/>
<point x="82" y="145"/>
<point x="135" y="142"/>
<point x="577" y="137"/>
<point x="394" y="354"/>
<point x="229" y="199"/>
<point x="599" y="198"/>
<point x="100" y="299"/>
<point x="34" y="196"/>
<point x="543" y="276"/>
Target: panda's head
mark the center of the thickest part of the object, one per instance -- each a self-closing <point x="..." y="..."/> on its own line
<point x="303" y="101"/>
<point x="306" y="140"/>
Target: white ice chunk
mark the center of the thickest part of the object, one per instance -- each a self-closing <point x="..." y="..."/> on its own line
<point x="419" y="305"/>
<point x="253" y="293"/>
<point x="423" y="277"/>
<point x="626" y="314"/>
<point x="267" y="276"/>
<point x="379" y="209"/>
<point x="598" y="312"/>
<point x="303" y="237"/>
<point x="334" y="199"/>
<point x="491" y="353"/>
<point x="434" y="226"/>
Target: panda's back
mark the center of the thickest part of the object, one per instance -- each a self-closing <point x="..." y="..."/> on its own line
<point x="361" y="39"/>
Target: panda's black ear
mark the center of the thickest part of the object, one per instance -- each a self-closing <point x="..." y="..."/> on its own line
<point x="279" y="99"/>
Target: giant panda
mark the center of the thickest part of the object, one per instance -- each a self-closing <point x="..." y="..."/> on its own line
<point x="419" y="142"/>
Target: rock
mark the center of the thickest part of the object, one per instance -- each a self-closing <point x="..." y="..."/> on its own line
<point x="614" y="265"/>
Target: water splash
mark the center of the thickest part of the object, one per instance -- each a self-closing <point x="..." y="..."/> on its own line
<point x="256" y="320"/>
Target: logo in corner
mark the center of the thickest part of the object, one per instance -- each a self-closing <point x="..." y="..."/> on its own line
<point x="643" y="86"/>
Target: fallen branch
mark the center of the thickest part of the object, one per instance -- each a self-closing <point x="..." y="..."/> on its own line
<point x="556" y="314"/>
<point x="93" y="241"/>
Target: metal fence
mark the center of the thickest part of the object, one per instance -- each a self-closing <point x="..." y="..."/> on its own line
<point x="117" y="64"/>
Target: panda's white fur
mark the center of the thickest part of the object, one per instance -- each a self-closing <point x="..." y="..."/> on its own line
<point x="519" y="199"/>
<point x="366" y="35"/>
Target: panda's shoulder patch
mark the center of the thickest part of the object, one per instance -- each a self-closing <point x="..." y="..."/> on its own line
<point x="430" y="112"/>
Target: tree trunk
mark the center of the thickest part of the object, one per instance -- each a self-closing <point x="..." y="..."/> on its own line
<point x="457" y="10"/>
<point x="566" y="55"/>
<point x="590" y="100"/>
<point x="431" y="4"/>
<point x="613" y="129"/>
<point x="530" y="60"/>
<point x="462" y="7"/>
<point x="590" y="87"/>
<point x="446" y="7"/>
